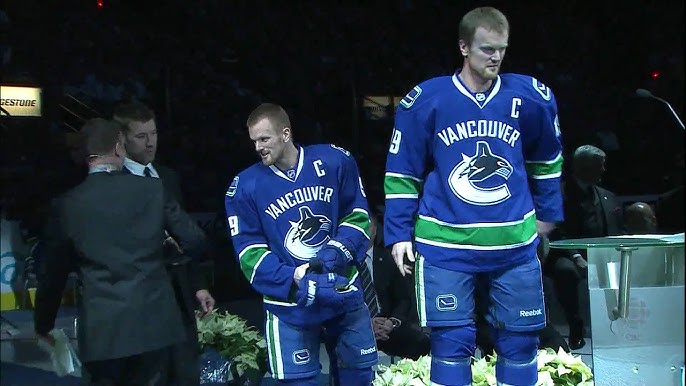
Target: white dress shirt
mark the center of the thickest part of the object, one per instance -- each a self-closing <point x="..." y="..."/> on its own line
<point x="139" y="169"/>
<point x="369" y="260"/>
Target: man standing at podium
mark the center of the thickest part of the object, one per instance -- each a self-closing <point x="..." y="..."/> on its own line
<point x="590" y="211"/>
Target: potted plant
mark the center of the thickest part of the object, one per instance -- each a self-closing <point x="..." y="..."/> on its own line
<point x="554" y="369"/>
<point x="229" y="345"/>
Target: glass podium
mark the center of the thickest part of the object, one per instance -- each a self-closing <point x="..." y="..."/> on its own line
<point x="636" y="292"/>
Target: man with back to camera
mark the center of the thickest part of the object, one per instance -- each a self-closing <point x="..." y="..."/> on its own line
<point x="472" y="177"/>
<point x="140" y="139"/>
<point x="111" y="227"/>
<point x="300" y="211"/>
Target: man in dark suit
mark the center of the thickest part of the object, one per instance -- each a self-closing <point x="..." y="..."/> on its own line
<point x="590" y="211"/>
<point x="639" y="219"/>
<point x="110" y="227"/>
<point x="396" y="327"/>
<point x="140" y="139"/>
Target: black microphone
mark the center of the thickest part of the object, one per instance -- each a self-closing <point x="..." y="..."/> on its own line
<point x="643" y="93"/>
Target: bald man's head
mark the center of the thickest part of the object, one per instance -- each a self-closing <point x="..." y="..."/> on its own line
<point x="639" y="218"/>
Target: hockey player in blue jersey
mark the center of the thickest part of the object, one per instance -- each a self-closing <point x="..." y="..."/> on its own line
<point x="299" y="208"/>
<point x="472" y="177"/>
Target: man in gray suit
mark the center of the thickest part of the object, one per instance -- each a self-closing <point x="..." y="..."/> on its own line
<point x="111" y="228"/>
<point x="190" y="287"/>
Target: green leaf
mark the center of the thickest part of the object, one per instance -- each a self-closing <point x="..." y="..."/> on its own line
<point x="233" y="339"/>
<point x="554" y="368"/>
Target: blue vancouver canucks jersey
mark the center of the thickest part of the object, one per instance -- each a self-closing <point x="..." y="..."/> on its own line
<point x="278" y="221"/>
<point x="467" y="175"/>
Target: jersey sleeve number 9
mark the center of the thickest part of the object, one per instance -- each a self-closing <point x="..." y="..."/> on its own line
<point x="395" y="141"/>
<point x="233" y="225"/>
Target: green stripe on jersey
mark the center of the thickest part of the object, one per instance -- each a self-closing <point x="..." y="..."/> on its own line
<point x="401" y="185"/>
<point x="358" y="219"/>
<point x="477" y="236"/>
<point x="249" y="259"/>
<point x="546" y="168"/>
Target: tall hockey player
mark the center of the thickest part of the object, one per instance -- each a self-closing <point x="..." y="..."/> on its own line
<point x="472" y="176"/>
<point x="300" y="208"/>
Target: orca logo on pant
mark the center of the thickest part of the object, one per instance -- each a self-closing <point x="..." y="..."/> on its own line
<point x="301" y="357"/>
<point x="446" y="302"/>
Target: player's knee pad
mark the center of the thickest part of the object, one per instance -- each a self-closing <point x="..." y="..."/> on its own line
<point x="355" y="377"/>
<point x="450" y="371"/>
<point x="309" y="381"/>
<point x="516" y="364"/>
<point x="453" y="342"/>
<point x="451" y="351"/>
<point x="516" y="345"/>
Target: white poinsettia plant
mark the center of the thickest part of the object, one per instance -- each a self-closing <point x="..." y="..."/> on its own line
<point x="554" y="369"/>
<point x="232" y="338"/>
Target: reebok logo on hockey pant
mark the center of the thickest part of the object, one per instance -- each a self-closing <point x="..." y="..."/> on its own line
<point x="366" y="351"/>
<point x="528" y="313"/>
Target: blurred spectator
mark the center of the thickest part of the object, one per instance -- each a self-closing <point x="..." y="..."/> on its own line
<point x="639" y="219"/>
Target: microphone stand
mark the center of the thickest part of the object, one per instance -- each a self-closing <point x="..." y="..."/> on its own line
<point x="647" y="94"/>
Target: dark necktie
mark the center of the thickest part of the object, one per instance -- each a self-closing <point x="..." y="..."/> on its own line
<point x="147" y="172"/>
<point x="368" y="290"/>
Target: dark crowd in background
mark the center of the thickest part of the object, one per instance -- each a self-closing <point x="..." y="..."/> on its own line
<point x="204" y="65"/>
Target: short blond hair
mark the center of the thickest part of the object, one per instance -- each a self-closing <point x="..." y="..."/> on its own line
<point x="276" y="115"/>
<point x="487" y="17"/>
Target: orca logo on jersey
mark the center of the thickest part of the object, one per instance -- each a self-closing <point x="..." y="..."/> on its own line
<point x="481" y="178"/>
<point x="307" y="235"/>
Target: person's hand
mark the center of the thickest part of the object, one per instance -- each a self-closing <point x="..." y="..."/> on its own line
<point x="382" y="328"/>
<point x="206" y="300"/>
<point x="580" y="261"/>
<point x="300" y="272"/>
<point x="544" y="228"/>
<point x="170" y="242"/>
<point x="47" y="338"/>
<point x="401" y="250"/>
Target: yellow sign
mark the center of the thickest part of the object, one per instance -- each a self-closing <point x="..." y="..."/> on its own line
<point x="20" y="101"/>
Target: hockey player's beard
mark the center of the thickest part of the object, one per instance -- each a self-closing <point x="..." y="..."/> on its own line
<point x="490" y="72"/>
<point x="266" y="158"/>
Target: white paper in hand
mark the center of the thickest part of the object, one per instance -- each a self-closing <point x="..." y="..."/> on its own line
<point x="62" y="355"/>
